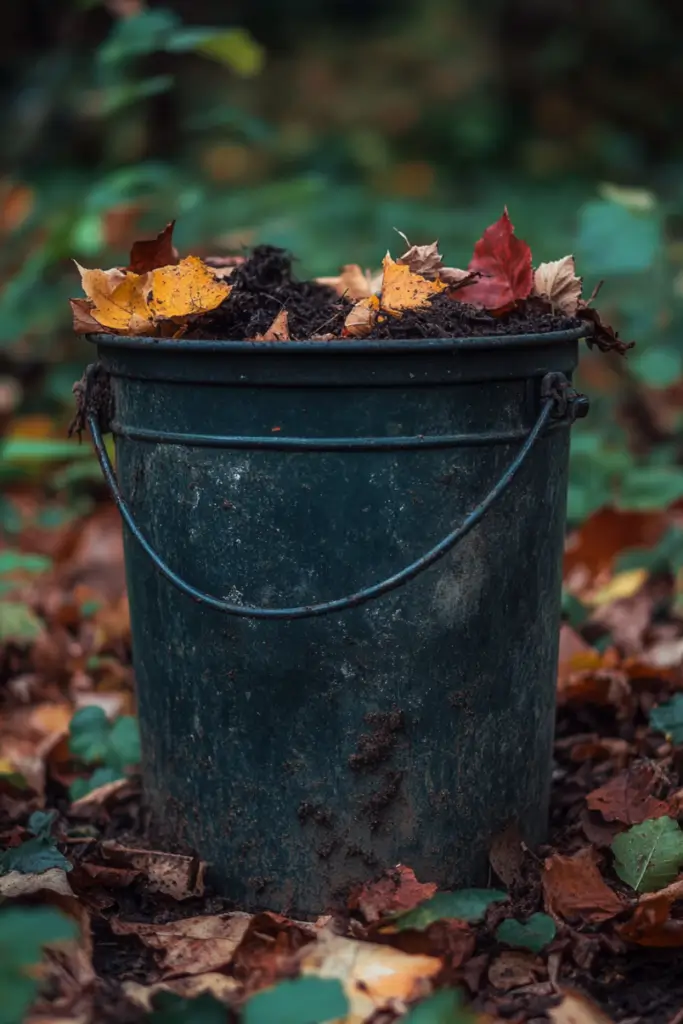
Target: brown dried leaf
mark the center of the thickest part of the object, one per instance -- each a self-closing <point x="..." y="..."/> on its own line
<point x="361" y="319"/>
<point x="402" y="289"/>
<point x="651" y="924"/>
<point x="398" y="889"/>
<point x="628" y="797"/>
<point x="506" y="855"/>
<point x="574" y="888"/>
<point x="14" y="884"/>
<point x="278" y="330"/>
<point x="174" y="874"/>
<point x="512" y="969"/>
<point x="83" y="320"/>
<point x="422" y="259"/>
<point x="193" y="945"/>
<point x="352" y="282"/>
<point x="152" y="253"/>
<point x="558" y="283"/>
<point x="604" y="336"/>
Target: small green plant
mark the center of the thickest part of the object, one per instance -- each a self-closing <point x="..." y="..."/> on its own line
<point x="112" y="746"/>
<point x="38" y="854"/>
<point x="23" y="933"/>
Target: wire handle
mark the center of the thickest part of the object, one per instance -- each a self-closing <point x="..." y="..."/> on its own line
<point x="557" y="397"/>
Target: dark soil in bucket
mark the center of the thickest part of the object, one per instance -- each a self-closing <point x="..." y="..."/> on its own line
<point x="265" y="284"/>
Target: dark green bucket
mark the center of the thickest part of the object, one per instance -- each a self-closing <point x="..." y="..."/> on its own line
<point x="302" y="750"/>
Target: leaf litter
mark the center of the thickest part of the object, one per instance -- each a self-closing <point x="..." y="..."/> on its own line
<point x="259" y="298"/>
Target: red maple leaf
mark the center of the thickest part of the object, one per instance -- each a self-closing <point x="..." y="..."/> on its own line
<point x="504" y="263"/>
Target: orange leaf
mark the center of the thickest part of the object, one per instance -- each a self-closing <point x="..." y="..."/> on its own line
<point x="278" y="330"/>
<point x="351" y="283"/>
<point x="153" y="253"/>
<point x="188" y="289"/>
<point x="557" y="282"/>
<point x="504" y="262"/>
<point x="118" y="299"/>
<point x="574" y="888"/>
<point x="402" y="289"/>
<point x="398" y="889"/>
<point x="627" y="797"/>
<point x="361" y="319"/>
<point x="651" y="924"/>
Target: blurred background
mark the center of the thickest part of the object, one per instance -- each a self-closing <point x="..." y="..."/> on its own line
<point x="322" y="127"/>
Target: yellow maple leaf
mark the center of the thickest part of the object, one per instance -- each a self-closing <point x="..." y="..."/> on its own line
<point x="187" y="289"/>
<point x="351" y="282"/>
<point x="119" y="299"/>
<point x="402" y="289"/>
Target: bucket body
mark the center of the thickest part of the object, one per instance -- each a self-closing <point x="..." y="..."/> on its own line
<point x="302" y="757"/>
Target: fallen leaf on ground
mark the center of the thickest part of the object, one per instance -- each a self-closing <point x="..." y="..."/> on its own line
<point x="402" y="289"/>
<point x="506" y="855"/>
<point x="175" y="874"/>
<point x="648" y="856"/>
<point x="15" y="884"/>
<point x="628" y="797"/>
<point x="361" y="319"/>
<point x="192" y="945"/>
<point x="464" y="905"/>
<point x="269" y="947"/>
<point x="111" y="793"/>
<point x="221" y="986"/>
<point x="668" y="718"/>
<point x="372" y="975"/>
<point x="574" y="888"/>
<point x="504" y="262"/>
<point x="278" y="330"/>
<point x="534" y="934"/>
<point x="512" y="969"/>
<point x="314" y="1000"/>
<point x="422" y="259"/>
<point x="651" y="923"/>
<point x="150" y="254"/>
<point x="398" y="889"/>
<point x="352" y="283"/>
<point x="557" y="282"/>
<point x="576" y="1008"/>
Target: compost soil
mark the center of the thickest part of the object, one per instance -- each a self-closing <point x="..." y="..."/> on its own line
<point x="265" y="284"/>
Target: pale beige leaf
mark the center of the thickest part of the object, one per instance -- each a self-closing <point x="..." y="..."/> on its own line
<point x="576" y="1008"/>
<point x="361" y="319"/>
<point x="278" y="330"/>
<point x="174" y="874"/>
<point x="15" y="884"/>
<point x="221" y="986"/>
<point x="372" y="975"/>
<point x="557" y="281"/>
<point x="351" y="282"/>
<point x="422" y="259"/>
<point x="193" y="945"/>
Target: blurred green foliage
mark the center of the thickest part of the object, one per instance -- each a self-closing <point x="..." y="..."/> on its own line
<point x="323" y="130"/>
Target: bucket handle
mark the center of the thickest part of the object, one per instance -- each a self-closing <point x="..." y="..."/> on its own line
<point x="559" y="400"/>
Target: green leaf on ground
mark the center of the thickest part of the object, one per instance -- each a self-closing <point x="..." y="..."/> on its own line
<point x="464" y="904"/>
<point x="100" y="777"/>
<point x="23" y="933"/>
<point x="18" y="623"/>
<point x="41" y="822"/>
<point x="33" y="858"/>
<point x="668" y="718"/>
<point x="534" y="934"/>
<point x="170" y="1008"/>
<point x="648" y="856"/>
<point x="12" y="561"/>
<point x="312" y="1000"/>
<point x="444" y="1007"/>
<point x="96" y="740"/>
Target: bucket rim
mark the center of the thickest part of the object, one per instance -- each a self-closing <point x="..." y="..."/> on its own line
<point x="355" y="346"/>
